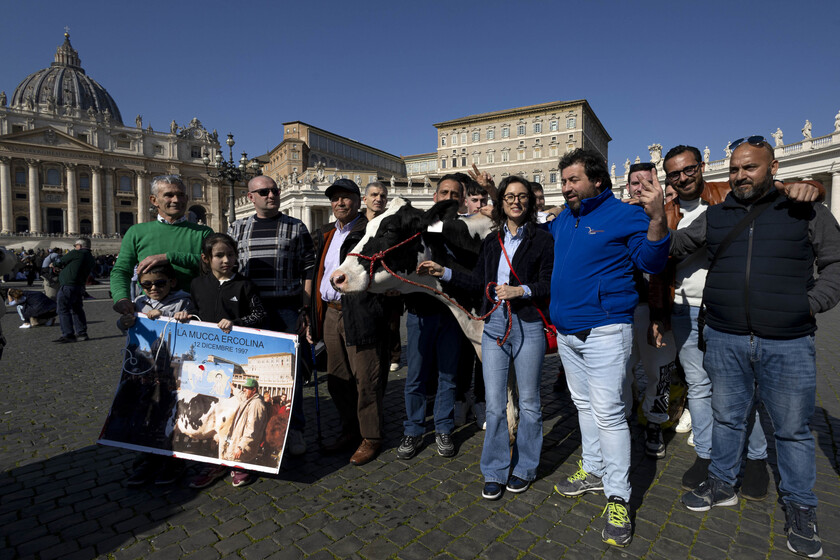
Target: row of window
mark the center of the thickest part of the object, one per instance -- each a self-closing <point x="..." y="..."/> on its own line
<point x="521" y="130"/>
<point x="490" y="156"/>
<point x="124" y="182"/>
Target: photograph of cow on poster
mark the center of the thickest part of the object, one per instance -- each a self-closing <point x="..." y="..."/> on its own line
<point x="191" y="390"/>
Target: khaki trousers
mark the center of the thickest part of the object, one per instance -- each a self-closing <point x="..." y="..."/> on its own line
<point x="355" y="379"/>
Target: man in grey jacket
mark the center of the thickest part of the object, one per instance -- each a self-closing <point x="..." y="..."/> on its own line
<point x="761" y="298"/>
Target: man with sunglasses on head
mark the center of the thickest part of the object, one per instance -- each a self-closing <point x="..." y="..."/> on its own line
<point x="684" y="168"/>
<point x="277" y="254"/>
<point x="761" y="299"/>
<point x="169" y="239"/>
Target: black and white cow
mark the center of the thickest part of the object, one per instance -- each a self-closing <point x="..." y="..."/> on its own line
<point x="203" y="417"/>
<point x="445" y="237"/>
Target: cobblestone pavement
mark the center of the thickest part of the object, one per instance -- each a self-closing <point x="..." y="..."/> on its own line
<point x="63" y="496"/>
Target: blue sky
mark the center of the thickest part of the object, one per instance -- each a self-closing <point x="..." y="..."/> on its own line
<point x="383" y="72"/>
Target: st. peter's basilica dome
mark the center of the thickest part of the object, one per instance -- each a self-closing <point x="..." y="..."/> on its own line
<point x="64" y="86"/>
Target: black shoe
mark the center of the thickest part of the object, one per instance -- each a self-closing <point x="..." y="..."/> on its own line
<point x="445" y="446"/>
<point x="712" y="492"/>
<point x="755" y="481"/>
<point x="409" y="445"/>
<point x="66" y="339"/>
<point x="801" y="529"/>
<point x="143" y="473"/>
<point x="82" y="337"/>
<point x="517" y="485"/>
<point x="492" y="491"/>
<point x="696" y="474"/>
<point x="654" y="444"/>
<point x="171" y="471"/>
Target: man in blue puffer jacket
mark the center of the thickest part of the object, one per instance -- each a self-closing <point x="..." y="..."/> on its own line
<point x="598" y="243"/>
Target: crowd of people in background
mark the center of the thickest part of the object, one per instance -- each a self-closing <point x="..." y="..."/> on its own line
<point x="715" y="277"/>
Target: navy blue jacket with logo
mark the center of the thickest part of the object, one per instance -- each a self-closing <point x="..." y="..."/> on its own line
<point x="596" y="250"/>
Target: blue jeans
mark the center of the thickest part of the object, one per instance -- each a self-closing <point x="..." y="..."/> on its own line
<point x="785" y="373"/>
<point x="432" y="342"/>
<point x="596" y="372"/>
<point x="526" y="347"/>
<point x="684" y="324"/>
<point x="71" y="313"/>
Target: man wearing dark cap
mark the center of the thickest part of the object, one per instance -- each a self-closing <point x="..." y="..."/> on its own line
<point x="353" y="329"/>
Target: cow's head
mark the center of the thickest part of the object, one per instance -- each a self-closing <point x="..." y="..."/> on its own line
<point x="443" y="237"/>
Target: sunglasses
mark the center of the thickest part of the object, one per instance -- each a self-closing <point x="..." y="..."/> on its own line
<point x="752" y="140"/>
<point x="264" y="192"/>
<point x="689" y="172"/>
<point x="156" y="283"/>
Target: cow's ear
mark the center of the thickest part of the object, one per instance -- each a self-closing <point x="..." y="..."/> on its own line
<point x="442" y="211"/>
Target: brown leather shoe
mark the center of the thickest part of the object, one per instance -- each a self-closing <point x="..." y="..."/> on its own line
<point x="345" y="442"/>
<point x="366" y="452"/>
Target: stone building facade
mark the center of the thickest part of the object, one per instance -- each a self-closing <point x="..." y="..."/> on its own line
<point x="69" y="165"/>
<point x="526" y="141"/>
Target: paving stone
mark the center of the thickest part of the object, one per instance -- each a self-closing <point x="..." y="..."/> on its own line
<point x="59" y="485"/>
<point x="232" y="544"/>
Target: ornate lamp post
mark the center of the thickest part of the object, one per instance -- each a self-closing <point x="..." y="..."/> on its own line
<point x="228" y="170"/>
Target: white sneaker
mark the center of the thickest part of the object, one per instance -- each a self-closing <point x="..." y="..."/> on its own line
<point x="691" y="439"/>
<point x="460" y="413"/>
<point x="395" y="366"/>
<point x="295" y="444"/>
<point x="480" y="412"/>
<point x="25" y="326"/>
<point x="684" y="425"/>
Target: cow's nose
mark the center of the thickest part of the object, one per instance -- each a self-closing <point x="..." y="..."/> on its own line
<point x="338" y="280"/>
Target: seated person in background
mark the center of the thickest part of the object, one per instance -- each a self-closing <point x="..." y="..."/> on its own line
<point x="161" y="298"/>
<point x="34" y="308"/>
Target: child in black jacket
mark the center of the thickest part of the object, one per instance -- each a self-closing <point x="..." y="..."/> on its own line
<point x="220" y="294"/>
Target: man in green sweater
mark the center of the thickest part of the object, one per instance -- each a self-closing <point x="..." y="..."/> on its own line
<point x="170" y="238"/>
<point x="75" y="268"/>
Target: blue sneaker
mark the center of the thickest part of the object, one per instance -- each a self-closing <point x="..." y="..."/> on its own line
<point x="517" y="485"/>
<point x="579" y="483"/>
<point x="801" y="529"/>
<point x="711" y="492"/>
<point x="492" y="491"/>
<point x="618" y="531"/>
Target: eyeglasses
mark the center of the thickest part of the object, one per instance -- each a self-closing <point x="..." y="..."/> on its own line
<point x="753" y="140"/>
<point x="689" y="172"/>
<point x="511" y="198"/>
<point x="264" y="192"/>
<point x="156" y="283"/>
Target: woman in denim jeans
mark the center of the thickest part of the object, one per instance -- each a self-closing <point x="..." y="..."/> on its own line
<point x="531" y="252"/>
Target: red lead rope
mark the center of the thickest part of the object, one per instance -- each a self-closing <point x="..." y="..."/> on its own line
<point x="380" y="256"/>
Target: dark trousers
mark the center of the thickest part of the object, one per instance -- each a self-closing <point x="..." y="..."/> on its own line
<point x="355" y="379"/>
<point x="469" y="367"/>
<point x="71" y="313"/>
<point x="283" y="318"/>
<point x="394" y="341"/>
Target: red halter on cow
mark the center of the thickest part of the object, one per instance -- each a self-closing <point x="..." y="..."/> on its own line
<point x="402" y="237"/>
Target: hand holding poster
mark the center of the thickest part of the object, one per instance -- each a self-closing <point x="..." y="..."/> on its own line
<point x="191" y="390"/>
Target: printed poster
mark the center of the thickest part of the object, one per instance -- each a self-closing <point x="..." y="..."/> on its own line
<point x="192" y="391"/>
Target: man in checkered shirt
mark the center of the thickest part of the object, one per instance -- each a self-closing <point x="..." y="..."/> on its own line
<point x="276" y="253"/>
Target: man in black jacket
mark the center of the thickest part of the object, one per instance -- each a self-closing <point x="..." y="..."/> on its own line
<point x="353" y="328"/>
<point x="761" y="299"/>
